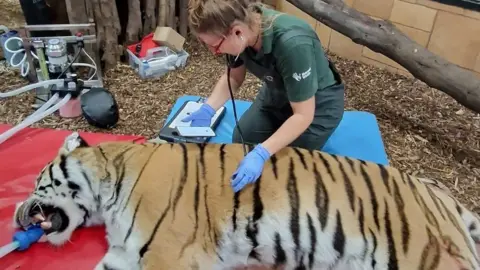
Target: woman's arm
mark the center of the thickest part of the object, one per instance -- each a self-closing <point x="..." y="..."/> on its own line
<point x="303" y="114"/>
<point x="299" y="71"/>
<point x="221" y="93"/>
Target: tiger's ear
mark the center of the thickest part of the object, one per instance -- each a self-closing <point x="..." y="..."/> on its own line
<point x="72" y="142"/>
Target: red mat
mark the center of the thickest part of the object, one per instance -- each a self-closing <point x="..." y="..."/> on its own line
<point x="21" y="159"/>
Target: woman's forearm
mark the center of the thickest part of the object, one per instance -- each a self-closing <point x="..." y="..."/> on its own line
<point x="221" y="93"/>
<point x="287" y="133"/>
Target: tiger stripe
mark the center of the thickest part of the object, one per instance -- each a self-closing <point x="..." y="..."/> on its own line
<point x="301" y="157"/>
<point x="252" y="227"/>
<point x="339" y="236"/>
<point x="405" y="229"/>
<point x="321" y="198"/>
<point x="435" y="201"/>
<point x="280" y="255"/>
<point x="222" y="166"/>
<point x="421" y="202"/>
<point x="361" y="222"/>
<point x="373" y="196"/>
<point x="196" y="206"/>
<point x="205" y="190"/>
<point x="293" y="196"/>
<point x="431" y="252"/>
<point x="183" y="180"/>
<point x="392" y="250"/>
<point x="130" y="228"/>
<point x="374" y="250"/>
<point x="348" y="186"/>
<point x="313" y="241"/>
<point x="385" y="175"/>
<point x="152" y="152"/>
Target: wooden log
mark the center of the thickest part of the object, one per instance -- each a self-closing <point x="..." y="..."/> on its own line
<point x="383" y="37"/>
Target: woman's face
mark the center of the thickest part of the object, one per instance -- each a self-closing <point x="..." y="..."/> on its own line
<point x="229" y="44"/>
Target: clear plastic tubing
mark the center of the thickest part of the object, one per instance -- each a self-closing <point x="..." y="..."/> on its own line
<point x="45" y="105"/>
<point x="8" y="248"/>
<point x="30" y="87"/>
<point x="36" y="117"/>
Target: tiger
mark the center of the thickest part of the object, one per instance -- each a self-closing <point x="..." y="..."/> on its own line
<point x="171" y="206"/>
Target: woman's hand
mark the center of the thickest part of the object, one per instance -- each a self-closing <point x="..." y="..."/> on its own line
<point x="201" y="117"/>
<point x="250" y="168"/>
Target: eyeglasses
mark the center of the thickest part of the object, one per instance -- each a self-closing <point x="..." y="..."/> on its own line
<point x="217" y="48"/>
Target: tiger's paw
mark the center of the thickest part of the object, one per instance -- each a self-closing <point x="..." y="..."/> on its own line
<point x="117" y="258"/>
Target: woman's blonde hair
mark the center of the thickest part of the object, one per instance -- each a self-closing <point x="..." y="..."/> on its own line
<point x="217" y="16"/>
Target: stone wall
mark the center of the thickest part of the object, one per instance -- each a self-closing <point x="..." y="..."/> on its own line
<point x="449" y="31"/>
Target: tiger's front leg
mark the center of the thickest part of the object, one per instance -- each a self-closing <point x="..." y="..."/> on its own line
<point x="117" y="258"/>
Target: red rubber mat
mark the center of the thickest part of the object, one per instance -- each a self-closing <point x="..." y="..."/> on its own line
<point x="21" y="159"/>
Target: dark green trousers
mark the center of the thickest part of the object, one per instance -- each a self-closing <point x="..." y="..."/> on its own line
<point x="271" y="109"/>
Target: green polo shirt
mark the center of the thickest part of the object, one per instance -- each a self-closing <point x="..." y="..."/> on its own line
<point x="299" y="60"/>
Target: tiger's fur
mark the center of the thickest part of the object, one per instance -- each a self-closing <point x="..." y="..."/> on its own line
<point x="171" y="206"/>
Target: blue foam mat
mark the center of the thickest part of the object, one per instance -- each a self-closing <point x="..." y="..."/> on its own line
<point x="357" y="136"/>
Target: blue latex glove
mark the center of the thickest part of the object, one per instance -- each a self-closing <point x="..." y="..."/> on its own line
<point x="250" y="168"/>
<point x="201" y="117"/>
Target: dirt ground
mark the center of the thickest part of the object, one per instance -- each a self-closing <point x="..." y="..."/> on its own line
<point x="425" y="132"/>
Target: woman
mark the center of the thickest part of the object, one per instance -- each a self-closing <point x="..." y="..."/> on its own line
<point x="301" y="101"/>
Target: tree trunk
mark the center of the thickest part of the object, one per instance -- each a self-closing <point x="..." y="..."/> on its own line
<point x="162" y="12"/>
<point x="134" y="27"/>
<point x="183" y="25"/>
<point x="383" y="37"/>
<point x="150" y="18"/>
<point x="99" y="23"/>
<point x="171" y="14"/>
<point x="77" y="12"/>
<point x="108" y="24"/>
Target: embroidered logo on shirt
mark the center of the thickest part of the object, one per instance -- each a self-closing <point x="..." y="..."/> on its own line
<point x="302" y="75"/>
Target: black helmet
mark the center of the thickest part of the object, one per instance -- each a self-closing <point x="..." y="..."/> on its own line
<point x="100" y="108"/>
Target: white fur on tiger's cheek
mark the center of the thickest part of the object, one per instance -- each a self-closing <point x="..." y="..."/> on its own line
<point x="75" y="217"/>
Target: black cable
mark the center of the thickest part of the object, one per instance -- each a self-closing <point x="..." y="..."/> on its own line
<point x="235" y="110"/>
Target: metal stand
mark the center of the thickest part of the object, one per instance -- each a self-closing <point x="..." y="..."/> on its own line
<point x="88" y="35"/>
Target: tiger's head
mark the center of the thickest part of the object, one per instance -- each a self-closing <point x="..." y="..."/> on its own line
<point x="66" y="192"/>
